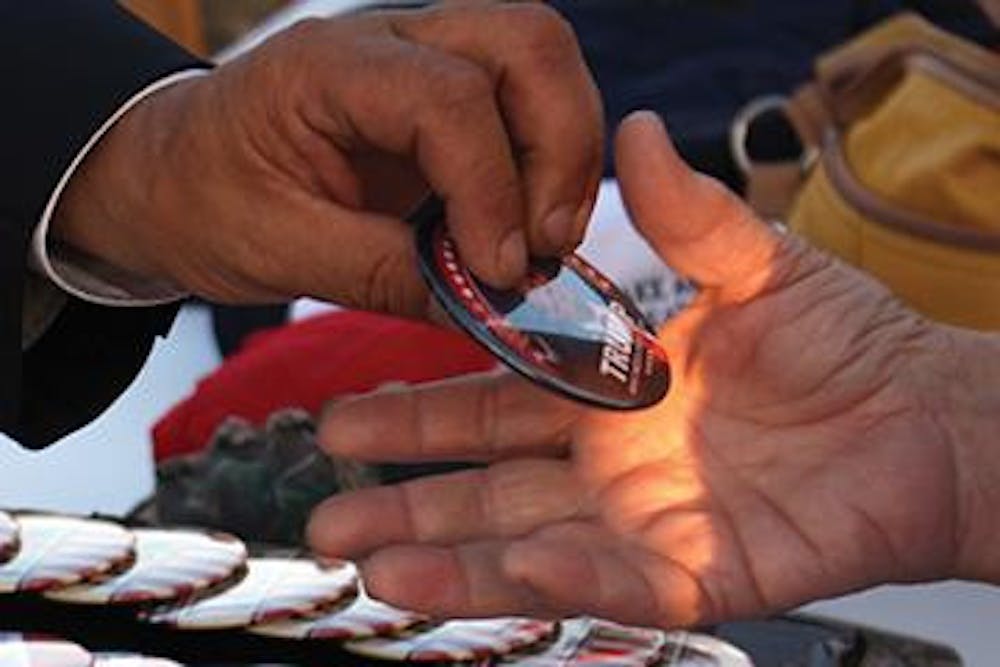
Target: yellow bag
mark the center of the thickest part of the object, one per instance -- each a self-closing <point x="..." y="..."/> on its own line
<point x="901" y="169"/>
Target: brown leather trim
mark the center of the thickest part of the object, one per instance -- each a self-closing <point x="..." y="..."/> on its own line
<point x="983" y="89"/>
<point x="772" y="186"/>
<point x="808" y="111"/>
<point x="886" y="214"/>
<point x="816" y="106"/>
<point x="849" y="62"/>
<point x="856" y="98"/>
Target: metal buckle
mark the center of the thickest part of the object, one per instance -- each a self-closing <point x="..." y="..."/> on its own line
<point x="739" y="131"/>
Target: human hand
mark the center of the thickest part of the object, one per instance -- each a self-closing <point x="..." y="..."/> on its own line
<point x="286" y="171"/>
<point x="796" y="456"/>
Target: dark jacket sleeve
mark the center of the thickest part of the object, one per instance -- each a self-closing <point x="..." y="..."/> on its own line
<point x="66" y="66"/>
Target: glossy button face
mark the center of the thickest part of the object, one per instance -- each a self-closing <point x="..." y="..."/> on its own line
<point x="363" y="618"/>
<point x="62" y="551"/>
<point x="170" y="565"/>
<point x="458" y="641"/>
<point x="566" y="327"/>
<point x="274" y="589"/>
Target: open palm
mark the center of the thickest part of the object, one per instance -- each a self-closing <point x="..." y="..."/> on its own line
<point x="791" y="460"/>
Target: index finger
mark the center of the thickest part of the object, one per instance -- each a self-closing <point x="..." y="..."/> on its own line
<point x="547" y="98"/>
<point x="476" y="417"/>
<point x="436" y="108"/>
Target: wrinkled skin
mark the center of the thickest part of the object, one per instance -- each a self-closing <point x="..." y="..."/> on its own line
<point x="286" y="172"/>
<point x="797" y="455"/>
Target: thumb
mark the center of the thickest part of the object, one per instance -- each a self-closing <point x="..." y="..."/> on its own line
<point x="701" y="229"/>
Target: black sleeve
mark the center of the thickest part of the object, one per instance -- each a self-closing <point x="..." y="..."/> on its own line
<point x="66" y="66"/>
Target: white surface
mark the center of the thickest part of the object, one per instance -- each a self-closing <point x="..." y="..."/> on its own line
<point x="962" y="615"/>
<point x="106" y="466"/>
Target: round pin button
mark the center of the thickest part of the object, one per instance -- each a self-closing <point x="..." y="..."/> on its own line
<point x="170" y="565"/>
<point x="567" y="327"/>
<point x="274" y="589"/>
<point x="458" y="641"/>
<point x="58" y="551"/>
<point x="362" y="619"/>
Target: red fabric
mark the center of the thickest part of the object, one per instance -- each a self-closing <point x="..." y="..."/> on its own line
<point x="307" y="363"/>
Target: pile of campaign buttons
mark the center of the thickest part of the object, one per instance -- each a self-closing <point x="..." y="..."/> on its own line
<point x="201" y="584"/>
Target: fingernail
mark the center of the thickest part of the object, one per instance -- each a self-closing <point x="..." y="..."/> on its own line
<point x="513" y="255"/>
<point x="645" y="116"/>
<point x="559" y="228"/>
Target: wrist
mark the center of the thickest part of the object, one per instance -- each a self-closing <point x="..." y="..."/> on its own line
<point x="108" y="208"/>
<point x="966" y="404"/>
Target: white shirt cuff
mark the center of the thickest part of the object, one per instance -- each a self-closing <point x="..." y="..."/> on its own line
<point x="85" y="277"/>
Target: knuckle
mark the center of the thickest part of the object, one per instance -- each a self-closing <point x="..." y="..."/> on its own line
<point x="487" y="417"/>
<point x="459" y="88"/>
<point x="516" y="497"/>
<point x="546" y="35"/>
